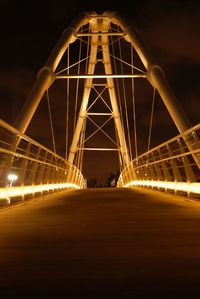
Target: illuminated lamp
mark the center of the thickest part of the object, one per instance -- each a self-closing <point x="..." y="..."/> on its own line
<point x="12" y="178"/>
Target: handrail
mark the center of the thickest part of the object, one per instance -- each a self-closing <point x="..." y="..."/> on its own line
<point x="27" y="138"/>
<point x="168" y="166"/>
<point x="37" y="169"/>
<point x="193" y="129"/>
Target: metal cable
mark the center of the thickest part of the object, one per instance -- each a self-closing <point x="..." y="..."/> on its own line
<point x="67" y="111"/>
<point x="77" y="85"/>
<point x="125" y="101"/>
<point x="151" y="120"/>
<point x="134" y="107"/>
<point x="51" y="122"/>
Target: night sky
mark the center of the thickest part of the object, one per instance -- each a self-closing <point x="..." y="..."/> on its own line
<point x="170" y="29"/>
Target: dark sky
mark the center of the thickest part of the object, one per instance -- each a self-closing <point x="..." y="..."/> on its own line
<point x="30" y="29"/>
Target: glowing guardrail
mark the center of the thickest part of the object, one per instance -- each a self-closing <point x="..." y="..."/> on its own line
<point x="8" y="193"/>
<point x="27" y="168"/>
<point x="171" y="166"/>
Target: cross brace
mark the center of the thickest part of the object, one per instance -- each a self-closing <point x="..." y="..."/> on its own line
<point x="101" y="76"/>
<point x="97" y="149"/>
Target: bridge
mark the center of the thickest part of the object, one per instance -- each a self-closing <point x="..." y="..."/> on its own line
<point x="109" y="241"/>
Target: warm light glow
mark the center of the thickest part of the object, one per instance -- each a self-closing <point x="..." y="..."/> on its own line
<point x="176" y="186"/>
<point x="21" y="191"/>
<point x="12" y="177"/>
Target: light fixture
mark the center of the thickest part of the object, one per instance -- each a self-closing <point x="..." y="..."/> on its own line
<point x="12" y="177"/>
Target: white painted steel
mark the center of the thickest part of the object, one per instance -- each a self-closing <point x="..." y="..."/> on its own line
<point x="101" y="76"/>
<point x="86" y="93"/>
<point x="102" y="41"/>
<point x="155" y="76"/>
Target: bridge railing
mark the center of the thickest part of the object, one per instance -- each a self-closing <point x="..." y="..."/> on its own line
<point x="28" y="169"/>
<point x="171" y="166"/>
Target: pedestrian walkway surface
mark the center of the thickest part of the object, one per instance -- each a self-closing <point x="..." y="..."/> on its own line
<point x="101" y="243"/>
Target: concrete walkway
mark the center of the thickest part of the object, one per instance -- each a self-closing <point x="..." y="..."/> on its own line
<point x="101" y="243"/>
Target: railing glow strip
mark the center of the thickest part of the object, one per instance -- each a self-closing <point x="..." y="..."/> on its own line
<point x="21" y="191"/>
<point x="176" y="186"/>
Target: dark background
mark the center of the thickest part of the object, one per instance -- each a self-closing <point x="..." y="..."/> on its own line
<point x="30" y="29"/>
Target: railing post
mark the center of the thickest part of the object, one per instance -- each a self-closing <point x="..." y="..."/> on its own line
<point x="47" y="174"/>
<point x="175" y="170"/>
<point x="52" y="170"/>
<point x="187" y="167"/>
<point x="56" y="174"/>
<point x="165" y="169"/>
<point x="133" y="173"/>
<point x="41" y="171"/>
<point x="129" y="174"/>
<point x="71" y="174"/>
<point x="151" y="167"/>
<point x="60" y="172"/>
<point x="33" y="172"/>
<point x="23" y="167"/>
<point x="158" y="169"/>
<point x="7" y="160"/>
<point x="141" y="168"/>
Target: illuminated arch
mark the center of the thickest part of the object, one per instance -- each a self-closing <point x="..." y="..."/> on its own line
<point x="154" y="75"/>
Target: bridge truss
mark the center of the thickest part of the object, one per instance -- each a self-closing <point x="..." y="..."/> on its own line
<point x="100" y="85"/>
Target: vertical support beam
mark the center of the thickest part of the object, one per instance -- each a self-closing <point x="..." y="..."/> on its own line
<point x="86" y="94"/>
<point x="99" y="25"/>
<point x="111" y="88"/>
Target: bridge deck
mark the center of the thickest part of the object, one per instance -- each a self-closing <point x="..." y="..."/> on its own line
<point x="101" y="243"/>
